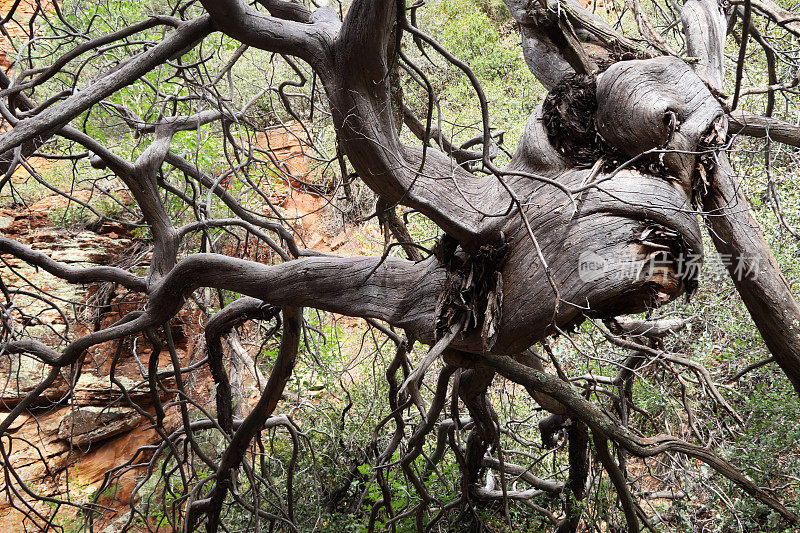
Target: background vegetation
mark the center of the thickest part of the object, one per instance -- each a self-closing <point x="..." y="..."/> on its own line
<point x="337" y="394"/>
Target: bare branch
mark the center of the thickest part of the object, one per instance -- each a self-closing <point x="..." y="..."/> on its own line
<point x="72" y="274"/>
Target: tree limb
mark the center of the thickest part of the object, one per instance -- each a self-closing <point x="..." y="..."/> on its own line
<point x="72" y="274"/>
<point x="744" y="123"/>
<point x="53" y="118"/>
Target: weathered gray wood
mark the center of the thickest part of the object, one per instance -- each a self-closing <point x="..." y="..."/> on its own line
<point x="549" y="213"/>
<point x="767" y="295"/>
<point x="735" y="232"/>
<point x="744" y="123"/>
<point x="705" y="27"/>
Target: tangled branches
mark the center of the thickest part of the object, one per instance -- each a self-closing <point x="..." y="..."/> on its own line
<point x="209" y="164"/>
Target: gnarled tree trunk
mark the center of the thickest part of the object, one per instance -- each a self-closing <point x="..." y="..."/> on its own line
<point x="596" y="215"/>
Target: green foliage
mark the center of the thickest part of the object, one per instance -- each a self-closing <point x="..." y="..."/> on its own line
<point x="469" y="33"/>
<point x="335" y="373"/>
<point x="496" y="10"/>
<point x="483" y="36"/>
<point x="75" y="215"/>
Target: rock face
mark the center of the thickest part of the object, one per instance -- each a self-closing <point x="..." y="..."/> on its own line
<point x="64" y="446"/>
<point x="23" y="374"/>
<point x="92" y="389"/>
<point x="86" y="425"/>
<point x="43" y="457"/>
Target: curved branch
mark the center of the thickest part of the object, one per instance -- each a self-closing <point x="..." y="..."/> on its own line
<point x="287" y="9"/>
<point x="765" y="292"/>
<point x="53" y="118"/>
<point x="550" y="45"/>
<point x="220" y="323"/>
<point x="705" y="27"/>
<point x="618" y="480"/>
<point x="753" y="268"/>
<point x="354" y="68"/>
<point x="252" y="424"/>
<point x="227" y="198"/>
<point x="397" y="291"/>
<point x="307" y="39"/>
<point x="752" y="125"/>
<point x="602" y="422"/>
<point x="88" y="46"/>
<point x="72" y="274"/>
<point x="469" y="208"/>
<point x="784" y="18"/>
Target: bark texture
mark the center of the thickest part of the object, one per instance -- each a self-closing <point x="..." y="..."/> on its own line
<point x="595" y="216"/>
